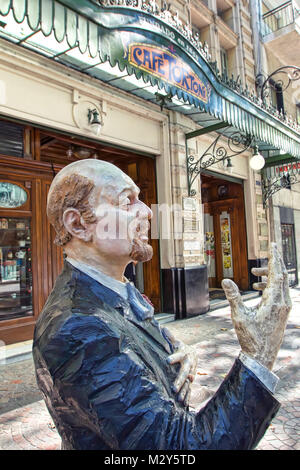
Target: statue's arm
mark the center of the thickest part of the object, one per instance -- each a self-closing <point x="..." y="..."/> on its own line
<point x="114" y="389"/>
<point x="240" y="411"/>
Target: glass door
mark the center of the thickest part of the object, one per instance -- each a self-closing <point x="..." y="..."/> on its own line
<point x="209" y="248"/>
<point x="289" y="252"/>
<point x="226" y="246"/>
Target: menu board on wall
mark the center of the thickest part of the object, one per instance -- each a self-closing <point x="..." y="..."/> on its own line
<point x="226" y="244"/>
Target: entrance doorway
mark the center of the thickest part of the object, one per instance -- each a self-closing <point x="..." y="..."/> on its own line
<point x="224" y="233"/>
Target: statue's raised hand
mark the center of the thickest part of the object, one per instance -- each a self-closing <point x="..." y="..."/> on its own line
<point x="260" y="329"/>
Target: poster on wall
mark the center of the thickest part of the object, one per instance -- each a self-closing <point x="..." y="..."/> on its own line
<point x="209" y="249"/>
<point x="226" y="244"/>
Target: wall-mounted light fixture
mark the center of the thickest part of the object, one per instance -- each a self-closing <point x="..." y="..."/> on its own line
<point x="257" y="162"/>
<point x="227" y="165"/>
<point x="94" y="121"/>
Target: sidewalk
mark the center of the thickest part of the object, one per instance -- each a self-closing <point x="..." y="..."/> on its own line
<point x="25" y="423"/>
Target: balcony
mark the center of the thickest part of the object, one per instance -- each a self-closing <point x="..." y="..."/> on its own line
<point x="281" y="31"/>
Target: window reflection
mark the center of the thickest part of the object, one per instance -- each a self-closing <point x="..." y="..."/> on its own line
<point x="15" y="272"/>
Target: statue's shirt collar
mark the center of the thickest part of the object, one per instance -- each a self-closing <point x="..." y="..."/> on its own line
<point x="141" y="309"/>
<point x="107" y="281"/>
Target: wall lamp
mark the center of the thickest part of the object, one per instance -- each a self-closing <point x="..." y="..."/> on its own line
<point x="94" y="121"/>
<point x="257" y="162"/>
<point x="227" y="165"/>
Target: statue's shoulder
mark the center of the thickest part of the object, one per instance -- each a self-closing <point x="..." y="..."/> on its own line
<point x="78" y="304"/>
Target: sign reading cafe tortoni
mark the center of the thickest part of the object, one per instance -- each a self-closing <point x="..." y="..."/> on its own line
<point x="161" y="55"/>
<point x="166" y="65"/>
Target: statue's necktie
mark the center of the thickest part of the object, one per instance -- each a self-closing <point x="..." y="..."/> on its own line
<point x="140" y="307"/>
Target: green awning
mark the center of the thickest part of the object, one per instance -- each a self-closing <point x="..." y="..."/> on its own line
<point x="143" y="53"/>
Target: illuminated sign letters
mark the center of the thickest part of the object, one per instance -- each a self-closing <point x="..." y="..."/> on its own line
<point x="164" y="64"/>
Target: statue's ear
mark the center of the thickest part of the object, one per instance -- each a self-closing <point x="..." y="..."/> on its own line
<point x="75" y="225"/>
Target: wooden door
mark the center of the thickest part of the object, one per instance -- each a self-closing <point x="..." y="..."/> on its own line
<point x="230" y="244"/>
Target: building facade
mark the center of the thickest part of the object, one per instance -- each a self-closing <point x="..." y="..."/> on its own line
<point x="167" y="93"/>
<point x="276" y="50"/>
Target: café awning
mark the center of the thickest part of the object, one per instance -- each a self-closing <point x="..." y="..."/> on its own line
<point x="144" y="52"/>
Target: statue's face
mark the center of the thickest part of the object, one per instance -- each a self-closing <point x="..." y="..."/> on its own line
<point x="122" y="219"/>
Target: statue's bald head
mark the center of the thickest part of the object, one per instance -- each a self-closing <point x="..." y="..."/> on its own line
<point x="75" y="186"/>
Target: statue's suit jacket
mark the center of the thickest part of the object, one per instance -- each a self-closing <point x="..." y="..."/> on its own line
<point x="107" y="384"/>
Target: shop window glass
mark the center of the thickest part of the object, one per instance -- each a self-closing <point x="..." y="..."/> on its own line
<point x="15" y="272"/>
<point x="12" y="139"/>
<point x="11" y="195"/>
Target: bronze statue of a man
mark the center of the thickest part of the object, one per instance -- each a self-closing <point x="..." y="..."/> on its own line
<point x="110" y="376"/>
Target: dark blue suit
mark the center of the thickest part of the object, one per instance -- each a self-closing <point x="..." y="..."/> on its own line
<point x="107" y="384"/>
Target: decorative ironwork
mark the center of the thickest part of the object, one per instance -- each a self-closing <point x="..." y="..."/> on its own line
<point x="162" y="100"/>
<point x="164" y="14"/>
<point x="237" y="143"/>
<point x="276" y="178"/>
<point x="287" y="13"/>
<point x="290" y="74"/>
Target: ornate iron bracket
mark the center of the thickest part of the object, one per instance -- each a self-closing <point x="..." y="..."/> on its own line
<point x="291" y="73"/>
<point x="274" y="183"/>
<point x="237" y="143"/>
<point x="162" y="100"/>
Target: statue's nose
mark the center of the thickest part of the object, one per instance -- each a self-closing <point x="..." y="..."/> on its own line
<point x="144" y="210"/>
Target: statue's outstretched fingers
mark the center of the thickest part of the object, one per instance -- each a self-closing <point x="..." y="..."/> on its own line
<point x="259" y="272"/>
<point x="275" y="265"/>
<point x="259" y="285"/>
<point x="273" y="293"/>
<point x="286" y="287"/>
<point x="233" y="296"/>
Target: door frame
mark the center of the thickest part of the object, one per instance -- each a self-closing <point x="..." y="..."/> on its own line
<point x="236" y="208"/>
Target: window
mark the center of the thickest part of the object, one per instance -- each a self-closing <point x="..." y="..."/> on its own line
<point x="298" y="113"/>
<point x="12" y="139"/>
<point x="224" y="61"/>
<point x="276" y="96"/>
